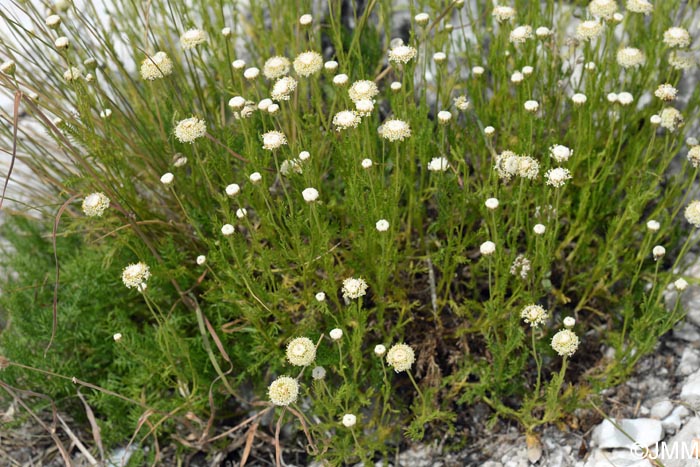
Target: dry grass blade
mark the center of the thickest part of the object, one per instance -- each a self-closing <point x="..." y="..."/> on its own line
<point x="278" y="446"/>
<point x="249" y="442"/>
<point x="142" y="419"/>
<point x="54" y="324"/>
<point x="76" y="441"/>
<point x="93" y="423"/>
<point x="50" y="430"/>
<point x="15" y="122"/>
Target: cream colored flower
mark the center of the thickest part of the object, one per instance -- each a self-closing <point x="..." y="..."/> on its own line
<point x="136" y="275"/>
<point x="394" y="130"/>
<point x="363" y="89"/>
<point x="192" y="38"/>
<point x="276" y="67"/>
<point x="354" y="288"/>
<point x="95" y="204"/>
<point x="308" y="63"/>
<point x="283" y="391"/>
<point x="534" y="315"/>
<point x="301" y="351"/>
<point x="400" y="357"/>
<point x="565" y="343"/>
<point x="273" y="140"/>
<point x="189" y="129"/>
<point x="157" y="66"/>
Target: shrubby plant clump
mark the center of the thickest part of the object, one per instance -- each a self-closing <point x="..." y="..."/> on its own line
<point x="242" y="218"/>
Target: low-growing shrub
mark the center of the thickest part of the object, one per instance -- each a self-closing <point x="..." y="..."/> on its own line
<point x="357" y="228"/>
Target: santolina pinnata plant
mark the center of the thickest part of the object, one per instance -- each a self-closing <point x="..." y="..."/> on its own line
<point x="268" y="173"/>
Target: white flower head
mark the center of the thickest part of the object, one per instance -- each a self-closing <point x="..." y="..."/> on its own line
<point x="394" y="130"/>
<point x="227" y="230"/>
<point x="156" y="67"/>
<point x="694" y="156"/>
<point x="136" y="275"/>
<point x="534" y="315"/>
<point x="95" y="204"/>
<point x="557" y="177"/>
<point x="309" y="194"/>
<point x="666" y="92"/>
<point x="192" y="38"/>
<point x="273" y="140"/>
<point x="238" y="64"/>
<point x="677" y="37"/>
<point x="491" y="203"/>
<point x="364" y="107"/>
<point x="241" y="213"/>
<point x="658" y="252"/>
<point x="366" y="163"/>
<point x="251" y="73"/>
<point x="167" y="178"/>
<point x="539" y="229"/>
<point x="603" y="8"/>
<point x="543" y="32"/>
<point x="520" y="34"/>
<point x="363" y="89"/>
<point x="349" y="420"/>
<point x="283" y="391"/>
<point x="569" y="322"/>
<point x="354" y="288"/>
<point x="680" y="284"/>
<point x="692" y="213"/>
<point x="503" y="13"/>
<point x="531" y="106"/>
<point x="462" y="103"/>
<point x="422" y="19"/>
<point x="625" y="98"/>
<point x="72" y="74"/>
<point x="301" y="351"/>
<point x="438" y="164"/>
<point x="283" y="88"/>
<point x="336" y="334"/>
<point x="444" y="117"/>
<point x="330" y="65"/>
<point x="189" y="129"/>
<point x="305" y="20"/>
<point x="255" y="177"/>
<point x="439" y="57"/>
<point x="382" y="225"/>
<point x="379" y="350"/>
<point x="639" y="6"/>
<point x="61" y="43"/>
<point x="579" y="98"/>
<point x="565" y="343"/>
<point x="671" y="119"/>
<point x="402" y="54"/>
<point x="318" y="373"/>
<point x="630" y="57"/>
<point x="201" y="259"/>
<point x="487" y="248"/>
<point x="340" y="79"/>
<point x="589" y="30"/>
<point x="233" y="189"/>
<point x="308" y="63"/>
<point x="117" y="337"/>
<point x="653" y="225"/>
<point x="560" y="153"/>
<point x="320" y="296"/>
<point x="400" y="357"/>
<point x="346" y="119"/>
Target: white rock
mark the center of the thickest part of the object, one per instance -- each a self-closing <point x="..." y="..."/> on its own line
<point x="644" y="431"/>
<point x="616" y="458"/>
<point x="690" y="362"/>
<point x="682" y="449"/>
<point x="672" y="423"/>
<point x="691" y="389"/>
<point x="687" y="332"/>
<point x="661" y="409"/>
